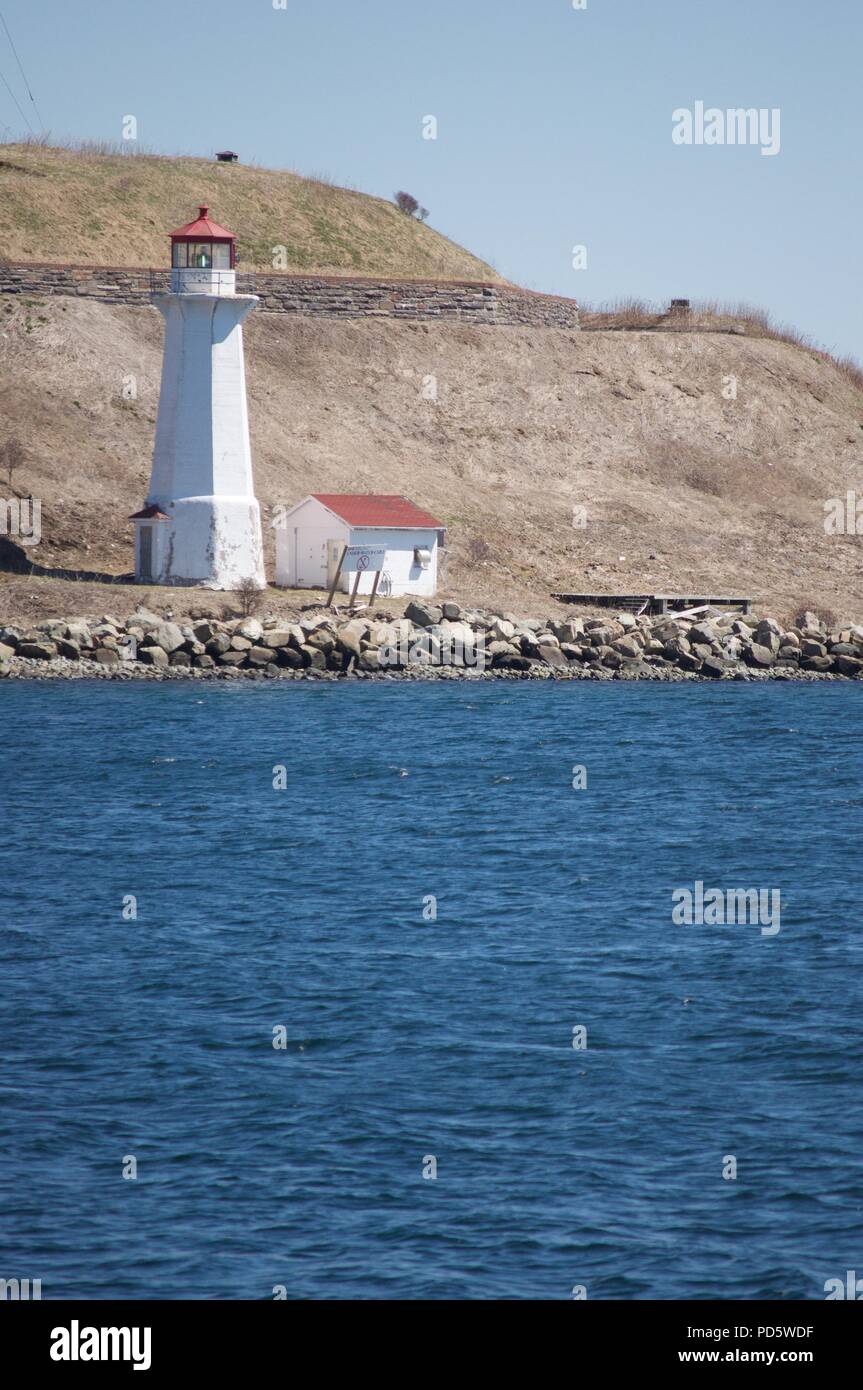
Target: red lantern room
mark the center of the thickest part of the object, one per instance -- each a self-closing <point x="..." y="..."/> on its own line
<point x="203" y="245"/>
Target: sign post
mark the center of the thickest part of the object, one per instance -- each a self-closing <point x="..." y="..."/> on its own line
<point x="336" y="576"/>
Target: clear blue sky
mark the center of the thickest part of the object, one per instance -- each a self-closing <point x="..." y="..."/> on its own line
<point x="554" y="126"/>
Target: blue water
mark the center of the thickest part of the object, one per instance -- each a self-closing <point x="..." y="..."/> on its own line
<point x="410" y="1038"/>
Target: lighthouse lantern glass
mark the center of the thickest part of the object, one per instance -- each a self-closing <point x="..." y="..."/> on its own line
<point x="202" y="255"/>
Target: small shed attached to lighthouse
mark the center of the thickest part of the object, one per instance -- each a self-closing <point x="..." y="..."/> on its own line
<point x="385" y="535"/>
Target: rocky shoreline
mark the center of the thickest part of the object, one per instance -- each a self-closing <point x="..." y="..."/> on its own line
<point x="433" y="642"/>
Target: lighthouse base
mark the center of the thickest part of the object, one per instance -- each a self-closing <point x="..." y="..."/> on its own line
<point x="202" y="542"/>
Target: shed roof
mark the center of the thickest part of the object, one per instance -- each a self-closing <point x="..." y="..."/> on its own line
<point x="377" y="509"/>
<point x="150" y="513"/>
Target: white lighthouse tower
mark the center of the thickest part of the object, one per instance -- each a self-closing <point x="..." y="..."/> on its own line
<point x="201" y="524"/>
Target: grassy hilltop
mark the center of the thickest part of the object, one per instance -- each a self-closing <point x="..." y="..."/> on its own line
<point x="94" y="208"/>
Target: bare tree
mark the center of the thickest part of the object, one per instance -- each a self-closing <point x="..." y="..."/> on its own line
<point x="13" y="455"/>
<point x="423" y="214"/>
<point x="406" y="203"/>
<point x="250" y="595"/>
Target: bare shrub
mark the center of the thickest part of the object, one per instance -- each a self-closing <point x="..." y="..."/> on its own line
<point x="406" y="203"/>
<point x="250" y="595"/>
<point x="478" y="551"/>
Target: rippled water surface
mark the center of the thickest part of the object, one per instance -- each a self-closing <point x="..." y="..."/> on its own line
<point x="409" y="1038"/>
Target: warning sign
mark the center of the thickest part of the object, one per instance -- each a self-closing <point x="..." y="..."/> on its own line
<point x="358" y="558"/>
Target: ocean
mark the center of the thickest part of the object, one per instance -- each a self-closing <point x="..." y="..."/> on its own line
<point x="375" y="990"/>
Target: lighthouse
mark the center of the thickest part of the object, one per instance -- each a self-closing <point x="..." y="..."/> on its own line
<point x="201" y="523"/>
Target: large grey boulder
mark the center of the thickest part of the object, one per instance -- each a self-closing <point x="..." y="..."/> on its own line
<point x="704" y="634"/>
<point x="703" y="650"/>
<point x="291" y="635"/>
<point x="567" y="629"/>
<point x="53" y="628"/>
<point x="811" y="620"/>
<point x="552" y="656"/>
<point x="323" y="638"/>
<point x="688" y="661"/>
<point x="6" y="652"/>
<point x="142" y="617"/>
<point x="261" y="656"/>
<point x="494" y="650"/>
<point x="768" y="634"/>
<point x="628" y="646"/>
<point x="810" y="647"/>
<point x="423" y="614"/>
<point x="314" y="657"/>
<point x="168" y="636"/>
<point x="351" y="635"/>
<point x="512" y="663"/>
<point x="713" y="666"/>
<point x="80" y="632"/>
<point x="758" y="656"/>
<point x="251" y="628"/>
<point x="151" y="656"/>
<point x="610" y="658"/>
<point x="37" y="651"/>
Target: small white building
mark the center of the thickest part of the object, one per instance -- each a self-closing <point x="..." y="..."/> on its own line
<point x="383" y="533"/>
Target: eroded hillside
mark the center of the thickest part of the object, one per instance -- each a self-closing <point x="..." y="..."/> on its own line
<point x="683" y="488"/>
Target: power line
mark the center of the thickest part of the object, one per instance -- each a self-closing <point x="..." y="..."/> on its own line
<point x="17" y="103"/>
<point x="23" y="74"/>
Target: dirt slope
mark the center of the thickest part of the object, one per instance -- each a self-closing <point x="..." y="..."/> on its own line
<point x="683" y="489"/>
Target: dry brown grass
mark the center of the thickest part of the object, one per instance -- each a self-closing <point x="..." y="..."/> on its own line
<point x="710" y="316"/>
<point x="99" y="203"/>
<point x="683" y="489"/>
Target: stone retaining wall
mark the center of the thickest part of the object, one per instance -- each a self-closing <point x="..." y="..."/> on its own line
<point x="462" y="301"/>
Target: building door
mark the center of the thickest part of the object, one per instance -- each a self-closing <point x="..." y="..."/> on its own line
<point x="145" y="553"/>
<point x="311" y="560"/>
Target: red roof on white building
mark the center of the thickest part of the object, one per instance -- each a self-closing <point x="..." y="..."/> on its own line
<point x="377" y="509"/>
<point x="204" y="228"/>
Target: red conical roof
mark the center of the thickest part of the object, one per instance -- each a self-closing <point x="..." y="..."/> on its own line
<point x="204" y="229"/>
